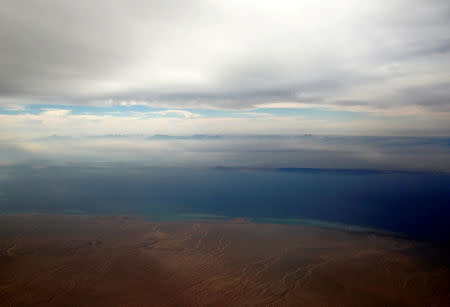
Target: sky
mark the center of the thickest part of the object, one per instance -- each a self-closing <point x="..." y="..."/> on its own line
<point x="73" y="74"/>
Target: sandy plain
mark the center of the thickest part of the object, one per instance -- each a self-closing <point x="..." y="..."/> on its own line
<point x="61" y="260"/>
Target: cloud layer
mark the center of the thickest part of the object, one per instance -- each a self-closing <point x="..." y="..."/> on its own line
<point x="377" y="56"/>
<point x="385" y="153"/>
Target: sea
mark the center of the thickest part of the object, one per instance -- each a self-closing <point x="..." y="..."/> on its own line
<point x="411" y="204"/>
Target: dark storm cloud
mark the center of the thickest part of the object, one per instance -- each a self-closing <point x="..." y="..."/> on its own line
<point x="233" y="54"/>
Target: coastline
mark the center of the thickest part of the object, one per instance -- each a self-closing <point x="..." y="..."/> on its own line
<point x="205" y="217"/>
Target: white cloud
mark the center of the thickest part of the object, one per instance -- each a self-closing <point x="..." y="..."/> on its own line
<point x="184" y="113"/>
<point x="64" y="123"/>
<point x="227" y="54"/>
<point x="14" y="107"/>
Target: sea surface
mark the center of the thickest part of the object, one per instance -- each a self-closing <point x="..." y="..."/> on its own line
<point x="416" y="205"/>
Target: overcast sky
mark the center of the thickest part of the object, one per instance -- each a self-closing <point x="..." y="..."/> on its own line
<point x="349" y="67"/>
<point x="230" y="54"/>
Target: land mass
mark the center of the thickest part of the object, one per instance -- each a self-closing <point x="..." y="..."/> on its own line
<point x="62" y="260"/>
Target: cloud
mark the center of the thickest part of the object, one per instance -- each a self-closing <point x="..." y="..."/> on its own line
<point x="260" y="138"/>
<point x="12" y="152"/>
<point x="184" y="113"/>
<point x="401" y="153"/>
<point x="265" y="121"/>
<point x="382" y="55"/>
<point x="15" y="107"/>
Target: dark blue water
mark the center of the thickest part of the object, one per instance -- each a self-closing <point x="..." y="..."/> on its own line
<point x="414" y="204"/>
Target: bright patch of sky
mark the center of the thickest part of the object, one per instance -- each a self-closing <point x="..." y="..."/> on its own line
<point x="119" y="110"/>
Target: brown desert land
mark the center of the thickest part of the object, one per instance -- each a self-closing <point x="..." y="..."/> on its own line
<point x="58" y="260"/>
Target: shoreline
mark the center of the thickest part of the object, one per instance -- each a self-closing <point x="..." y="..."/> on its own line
<point x="194" y="217"/>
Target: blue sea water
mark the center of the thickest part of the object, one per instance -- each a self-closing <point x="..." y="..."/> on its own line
<point x="413" y="204"/>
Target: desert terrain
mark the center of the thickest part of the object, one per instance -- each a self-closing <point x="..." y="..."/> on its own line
<point x="61" y="260"/>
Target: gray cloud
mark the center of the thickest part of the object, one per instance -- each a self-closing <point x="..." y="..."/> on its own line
<point x="344" y="152"/>
<point x="235" y="54"/>
<point x="12" y="153"/>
